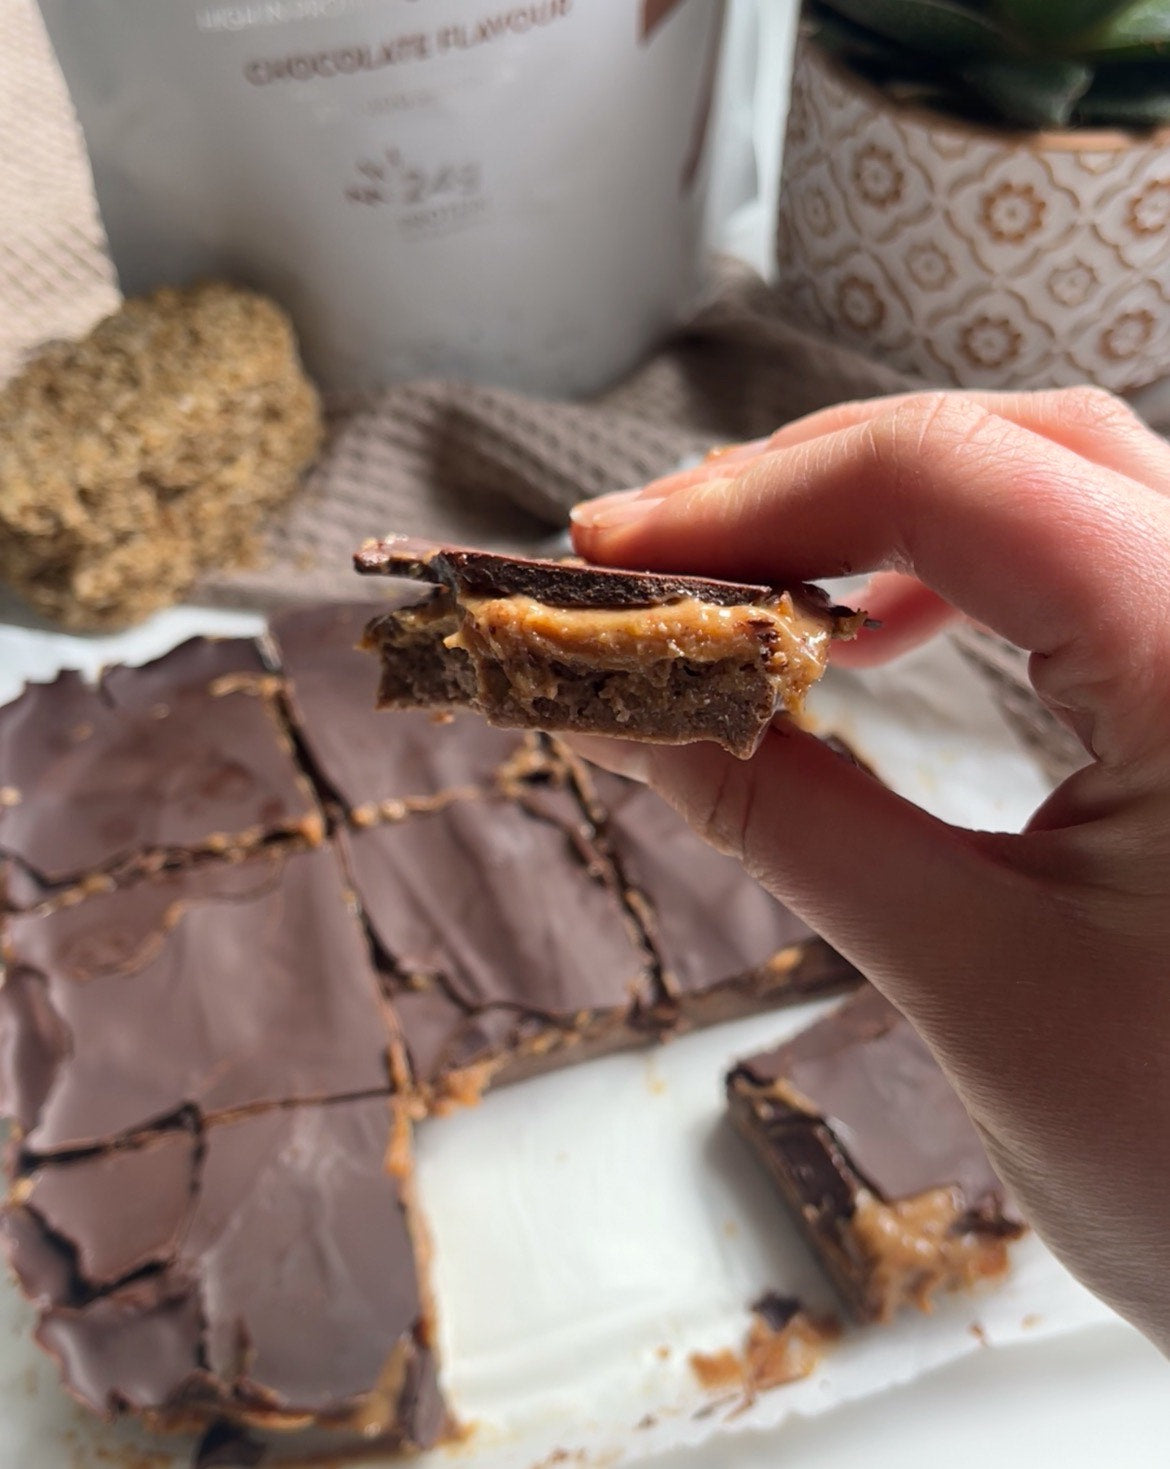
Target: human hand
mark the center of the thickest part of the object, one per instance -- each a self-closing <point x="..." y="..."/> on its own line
<point x="1036" y="965"/>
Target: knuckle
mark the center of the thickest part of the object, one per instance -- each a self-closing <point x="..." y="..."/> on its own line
<point x="1098" y="407"/>
<point x="719" y="818"/>
<point x="711" y="497"/>
<point x="926" y="426"/>
<point x="734" y="817"/>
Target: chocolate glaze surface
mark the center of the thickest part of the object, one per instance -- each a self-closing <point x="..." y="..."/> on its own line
<point x="182" y="753"/>
<point x="42" y="1266"/>
<point x="246" y="983"/>
<point x="710" y="921"/>
<point x="295" y="1220"/>
<point x="558" y="583"/>
<point x="366" y="756"/>
<point x="198" y="665"/>
<point x="136" y="1348"/>
<point x="296" y="1205"/>
<point x="123" y="1210"/>
<point x="499" y="905"/>
<point x="869" y="1075"/>
<point x="442" y="1036"/>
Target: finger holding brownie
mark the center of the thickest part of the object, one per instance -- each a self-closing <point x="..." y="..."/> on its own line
<point x="1036" y="965"/>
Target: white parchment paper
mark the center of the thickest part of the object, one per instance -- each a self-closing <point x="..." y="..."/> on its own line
<point x="592" y="1229"/>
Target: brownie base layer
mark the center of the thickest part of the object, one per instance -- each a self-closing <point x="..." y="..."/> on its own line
<point x="876" y="1159"/>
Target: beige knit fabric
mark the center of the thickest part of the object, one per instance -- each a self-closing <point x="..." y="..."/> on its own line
<point x="465" y="462"/>
<point x="55" y="279"/>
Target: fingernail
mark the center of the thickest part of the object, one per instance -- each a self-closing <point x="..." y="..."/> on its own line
<point x="615" y="497"/>
<point x="737" y="451"/>
<point x="610" y="511"/>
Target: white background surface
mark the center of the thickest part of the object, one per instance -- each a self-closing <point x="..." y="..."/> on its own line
<point x="1097" y="1400"/>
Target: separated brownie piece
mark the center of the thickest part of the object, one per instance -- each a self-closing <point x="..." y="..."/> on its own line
<point x="506" y="945"/>
<point x="559" y="645"/>
<point x="727" y="947"/>
<point x="876" y="1157"/>
<point x="216" y="987"/>
<point x="264" y="1272"/>
<point x="151" y="765"/>
<point x="373" y="767"/>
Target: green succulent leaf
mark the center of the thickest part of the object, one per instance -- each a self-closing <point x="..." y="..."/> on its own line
<point x="1028" y="94"/>
<point x="1127" y="96"/>
<point x="1141" y="29"/>
<point x="854" y="43"/>
<point x="941" y="28"/>
<point x="1056" y="25"/>
<point x="1022" y="63"/>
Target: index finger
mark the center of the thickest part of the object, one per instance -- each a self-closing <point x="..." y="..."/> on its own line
<point x="1092" y="422"/>
<point x="1062" y="557"/>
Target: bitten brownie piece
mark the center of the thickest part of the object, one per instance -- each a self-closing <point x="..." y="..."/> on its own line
<point x="876" y="1157"/>
<point x="264" y="1272"/>
<point x="727" y="947"/>
<point x="559" y="645"/>
<point x="151" y="765"/>
<point x="213" y="988"/>
<point x="506" y="946"/>
<point x="372" y="767"/>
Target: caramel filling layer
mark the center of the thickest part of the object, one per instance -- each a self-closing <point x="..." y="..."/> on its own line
<point x="775" y="1358"/>
<point x="915" y="1248"/>
<point x="771" y="1357"/>
<point x="779" y="638"/>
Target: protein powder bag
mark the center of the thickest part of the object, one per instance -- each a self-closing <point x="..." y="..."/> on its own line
<point x="509" y="192"/>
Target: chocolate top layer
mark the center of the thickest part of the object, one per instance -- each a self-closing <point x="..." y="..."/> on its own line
<point x="558" y="583"/>
<point x="121" y="1210"/>
<point x="297" y="1204"/>
<point x="136" y="1348"/>
<point x="220" y="986"/>
<point x="197" y="665"/>
<point x="295" y="1220"/>
<point x="367" y="756"/>
<point x="500" y="906"/>
<point x="442" y="1036"/>
<point x="41" y="1265"/>
<point x="183" y="753"/>
<point x="710" y="921"/>
<point x="869" y="1075"/>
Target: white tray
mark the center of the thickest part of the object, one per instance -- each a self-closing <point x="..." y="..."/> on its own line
<point x="594" y="1228"/>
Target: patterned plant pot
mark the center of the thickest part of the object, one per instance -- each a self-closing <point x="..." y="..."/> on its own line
<point x="969" y="256"/>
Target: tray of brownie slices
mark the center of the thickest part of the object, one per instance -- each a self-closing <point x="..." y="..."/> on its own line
<point x="387" y="1081"/>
